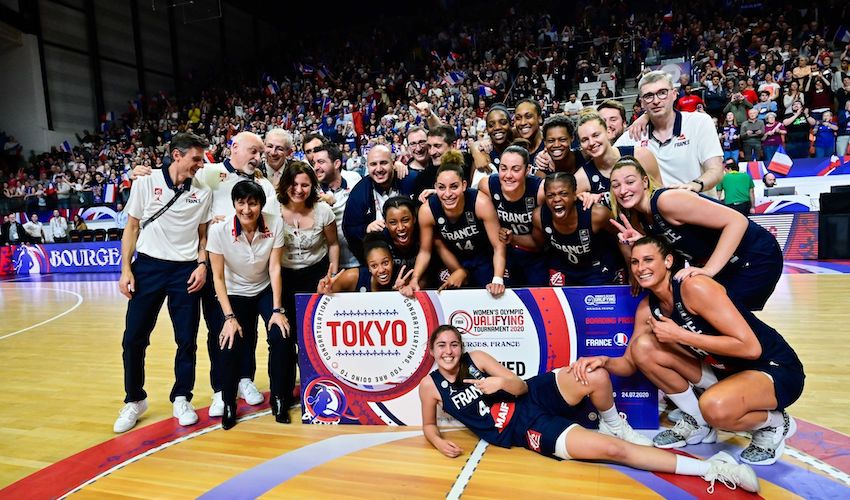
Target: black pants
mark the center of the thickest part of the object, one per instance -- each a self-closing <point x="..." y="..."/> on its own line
<point x="155" y="280"/>
<point x="742" y="208"/>
<point x="295" y="281"/>
<point x="230" y="361"/>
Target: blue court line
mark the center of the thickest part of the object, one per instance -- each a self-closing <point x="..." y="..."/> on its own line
<point x="657" y="484"/>
<point x="262" y="478"/>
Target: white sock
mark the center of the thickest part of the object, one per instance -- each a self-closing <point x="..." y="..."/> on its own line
<point x="689" y="404"/>
<point x="774" y="419"/>
<point x="688" y="466"/>
<point x="611" y="417"/>
<point x="708" y="378"/>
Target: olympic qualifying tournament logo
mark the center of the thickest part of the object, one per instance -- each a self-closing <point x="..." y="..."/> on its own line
<point x="324" y="401"/>
<point x="371" y="347"/>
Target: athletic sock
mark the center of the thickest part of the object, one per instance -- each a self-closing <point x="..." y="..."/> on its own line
<point x="688" y="466"/>
<point x="708" y="378"/>
<point x="774" y="419"/>
<point x="611" y="417"/>
<point x="687" y="401"/>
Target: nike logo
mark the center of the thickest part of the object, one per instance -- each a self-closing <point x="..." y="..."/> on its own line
<point x="773" y="363"/>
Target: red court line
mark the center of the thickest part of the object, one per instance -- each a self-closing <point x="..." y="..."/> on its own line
<point x="65" y="475"/>
<point x="827" y="445"/>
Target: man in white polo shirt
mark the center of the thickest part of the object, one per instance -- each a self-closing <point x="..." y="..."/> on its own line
<point x="167" y="224"/>
<point x="686" y="144"/>
<point x="336" y="185"/>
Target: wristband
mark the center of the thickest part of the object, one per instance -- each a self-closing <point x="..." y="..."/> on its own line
<point x="279" y="310"/>
<point x="203" y="263"/>
<point x="498" y="280"/>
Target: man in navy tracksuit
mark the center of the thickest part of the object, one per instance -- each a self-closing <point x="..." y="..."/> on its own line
<point x="364" y="209"/>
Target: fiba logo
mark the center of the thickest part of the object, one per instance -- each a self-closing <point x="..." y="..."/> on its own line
<point x="621" y="339"/>
<point x="30" y="259"/>
<point x="324" y="402"/>
<point x="607" y="299"/>
<point x="462" y="321"/>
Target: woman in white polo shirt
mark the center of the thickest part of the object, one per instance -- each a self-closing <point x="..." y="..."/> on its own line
<point x="245" y="252"/>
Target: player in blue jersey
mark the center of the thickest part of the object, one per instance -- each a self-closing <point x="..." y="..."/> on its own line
<point x="506" y="411"/>
<point x="464" y="228"/>
<point x="401" y="232"/>
<point x="689" y="334"/>
<point x="379" y="273"/>
<point x="715" y="240"/>
<point x="516" y="194"/>
<point x="595" y="175"/>
<point x="488" y="153"/>
<point x="581" y="243"/>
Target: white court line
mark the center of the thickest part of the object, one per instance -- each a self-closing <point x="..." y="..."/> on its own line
<point x="467" y="471"/>
<point x="79" y="302"/>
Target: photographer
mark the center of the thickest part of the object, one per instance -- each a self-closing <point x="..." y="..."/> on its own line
<point x="738" y="106"/>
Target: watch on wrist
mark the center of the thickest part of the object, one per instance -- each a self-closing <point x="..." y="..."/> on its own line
<point x="280" y="310"/>
<point x="204" y="263"/>
<point x="701" y="185"/>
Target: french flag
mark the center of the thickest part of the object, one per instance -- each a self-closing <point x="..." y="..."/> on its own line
<point x="756" y="169"/>
<point x="436" y="56"/>
<point x="486" y="91"/>
<point x="110" y="192"/>
<point x="668" y="16"/>
<point x="452" y="58"/>
<point x="780" y="163"/>
<point x="272" y="88"/>
<point x="842" y="35"/>
<point x="65" y="146"/>
<point x="454" y="77"/>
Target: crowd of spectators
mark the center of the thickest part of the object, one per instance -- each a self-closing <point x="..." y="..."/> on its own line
<point x="774" y="59"/>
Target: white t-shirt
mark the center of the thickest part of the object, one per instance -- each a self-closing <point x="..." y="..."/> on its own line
<point x="305" y="247"/>
<point x="246" y="263"/>
<point x="221" y="180"/>
<point x="680" y="159"/>
<point x="346" y="258"/>
<point x="173" y="236"/>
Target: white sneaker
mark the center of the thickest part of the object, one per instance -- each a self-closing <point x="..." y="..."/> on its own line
<point x="624" y="432"/>
<point x="674" y="415"/>
<point x="184" y="412"/>
<point x="724" y="468"/>
<point x="686" y="431"/>
<point x="768" y="443"/>
<point x="217" y="405"/>
<point x="248" y="391"/>
<point x="129" y="415"/>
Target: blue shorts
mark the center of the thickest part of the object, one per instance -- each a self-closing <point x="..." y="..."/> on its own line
<point x="544" y="415"/>
<point x="525" y="269"/>
<point x="788" y="379"/>
<point x="752" y="281"/>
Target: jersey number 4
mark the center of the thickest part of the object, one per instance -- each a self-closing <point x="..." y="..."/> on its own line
<point x="483" y="410"/>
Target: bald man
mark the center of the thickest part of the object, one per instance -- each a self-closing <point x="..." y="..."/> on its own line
<point x="364" y="209"/>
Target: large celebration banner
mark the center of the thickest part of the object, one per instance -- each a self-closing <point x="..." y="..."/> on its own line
<point x="362" y="355"/>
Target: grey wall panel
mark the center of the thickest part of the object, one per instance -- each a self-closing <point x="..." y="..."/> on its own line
<point x="119" y="86"/>
<point x="156" y="41"/>
<point x="62" y="25"/>
<point x="239" y="33"/>
<point x="115" y="30"/>
<point x="71" y="91"/>
<point x="157" y="83"/>
<point x="199" y="47"/>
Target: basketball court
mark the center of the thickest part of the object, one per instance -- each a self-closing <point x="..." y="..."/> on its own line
<point x="61" y="371"/>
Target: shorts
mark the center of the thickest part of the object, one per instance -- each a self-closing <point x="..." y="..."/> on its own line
<point x="752" y="282"/>
<point x="549" y="417"/>
<point x="788" y="379"/>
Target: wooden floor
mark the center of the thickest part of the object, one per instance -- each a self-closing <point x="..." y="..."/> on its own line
<point x="61" y="374"/>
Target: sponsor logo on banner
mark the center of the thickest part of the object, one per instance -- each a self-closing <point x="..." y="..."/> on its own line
<point x="324" y="402"/>
<point x="600" y="302"/>
<point x="30" y="259"/>
<point x="371" y="347"/>
<point x="533" y="440"/>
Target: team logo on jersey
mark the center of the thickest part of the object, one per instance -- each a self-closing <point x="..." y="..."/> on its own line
<point x="470" y="217"/>
<point x="533" y="439"/>
<point x="324" y="402"/>
<point x="529" y="203"/>
<point x="222" y="176"/>
<point x="193" y="199"/>
<point x="157" y="193"/>
<point x="556" y="278"/>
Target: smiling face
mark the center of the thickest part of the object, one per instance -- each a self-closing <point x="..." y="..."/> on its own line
<point x="527" y="121"/>
<point x="245" y="152"/>
<point x="560" y="198"/>
<point x="447" y="348"/>
<point x="450" y="188"/>
<point x="557" y="142"/>
<point x="437" y="147"/>
<point x="300" y="189"/>
<point x="400" y="224"/>
<point x="512" y="172"/>
<point x="649" y="266"/>
<point x="614" y="123"/>
<point x="628" y="186"/>
<point x="247" y="211"/>
<point x="498" y="126"/>
<point x="326" y="171"/>
<point x="276" y="150"/>
<point x="380" y="264"/>
<point x="593" y="138"/>
<point x="380" y="165"/>
<point x="417" y="143"/>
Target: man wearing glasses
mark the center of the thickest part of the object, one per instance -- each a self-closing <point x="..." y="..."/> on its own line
<point x="686" y="145"/>
<point x="417" y="145"/>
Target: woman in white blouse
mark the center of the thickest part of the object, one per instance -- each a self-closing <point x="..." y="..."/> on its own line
<point x="311" y="249"/>
<point x="245" y="252"/>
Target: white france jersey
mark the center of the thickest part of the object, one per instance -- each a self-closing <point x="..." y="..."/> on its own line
<point x="680" y="159"/>
<point x="246" y="263"/>
<point x="173" y="236"/>
<point x="221" y="177"/>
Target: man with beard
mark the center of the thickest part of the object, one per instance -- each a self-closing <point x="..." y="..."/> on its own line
<point x="440" y="139"/>
<point x="614" y="114"/>
<point x="364" y="209"/>
<point x="336" y="185"/>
